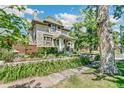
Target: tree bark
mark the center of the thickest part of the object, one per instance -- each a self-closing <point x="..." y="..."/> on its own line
<point x="108" y="65"/>
<point x="90" y="50"/>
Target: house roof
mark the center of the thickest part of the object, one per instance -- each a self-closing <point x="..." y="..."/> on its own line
<point x="49" y="20"/>
<point x="52" y="20"/>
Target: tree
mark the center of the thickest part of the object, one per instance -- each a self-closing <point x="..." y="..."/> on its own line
<point x="104" y="34"/>
<point x="88" y="38"/>
<point x="121" y="43"/>
<point x="116" y="40"/>
<point x="108" y="65"/>
<point x="11" y="27"/>
<point x="80" y="37"/>
<point x="90" y="24"/>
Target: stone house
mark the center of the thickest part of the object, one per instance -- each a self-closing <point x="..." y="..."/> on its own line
<point x="50" y="32"/>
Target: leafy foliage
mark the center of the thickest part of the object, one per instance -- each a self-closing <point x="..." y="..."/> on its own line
<point x="10" y="73"/>
<point x="6" y="55"/>
<point x="47" y="50"/>
<point x="118" y="11"/>
<point x="85" y="59"/>
<point x="115" y="35"/>
<point x="12" y="27"/>
<point x="89" y="37"/>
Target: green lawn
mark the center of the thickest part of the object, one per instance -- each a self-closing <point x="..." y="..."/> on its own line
<point x="88" y="80"/>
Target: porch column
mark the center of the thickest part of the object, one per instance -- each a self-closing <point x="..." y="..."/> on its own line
<point x="53" y="43"/>
<point x="72" y="46"/>
<point x="60" y="44"/>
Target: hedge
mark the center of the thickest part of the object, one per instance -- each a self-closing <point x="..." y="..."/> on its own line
<point x="11" y="73"/>
<point x="48" y="50"/>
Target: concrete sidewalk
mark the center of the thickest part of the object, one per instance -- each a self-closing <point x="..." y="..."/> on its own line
<point x="119" y="57"/>
<point x="45" y="81"/>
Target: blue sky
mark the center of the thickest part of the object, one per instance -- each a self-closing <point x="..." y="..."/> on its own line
<point x="51" y="10"/>
<point x="65" y="13"/>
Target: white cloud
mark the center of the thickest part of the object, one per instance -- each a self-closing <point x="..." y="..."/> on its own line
<point x="113" y="20"/>
<point x="31" y="11"/>
<point x="20" y="13"/>
<point x="66" y="19"/>
<point x="117" y="29"/>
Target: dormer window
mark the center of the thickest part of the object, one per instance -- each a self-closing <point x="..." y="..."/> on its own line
<point x="53" y="28"/>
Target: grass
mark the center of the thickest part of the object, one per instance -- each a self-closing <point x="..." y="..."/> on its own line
<point x="11" y="73"/>
<point x="88" y="80"/>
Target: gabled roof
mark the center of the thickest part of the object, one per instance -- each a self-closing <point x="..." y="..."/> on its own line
<point x="49" y="20"/>
<point x="52" y="20"/>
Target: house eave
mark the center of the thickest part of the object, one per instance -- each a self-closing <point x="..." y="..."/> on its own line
<point x="64" y="37"/>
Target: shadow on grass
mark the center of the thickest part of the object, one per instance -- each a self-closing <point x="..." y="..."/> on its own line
<point x="118" y="80"/>
<point x="121" y="67"/>
<point x="26" y="85"/>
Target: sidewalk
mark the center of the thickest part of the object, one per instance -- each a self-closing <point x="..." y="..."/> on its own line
<point x="45" y="81"/>
<point x="119" y="57"/>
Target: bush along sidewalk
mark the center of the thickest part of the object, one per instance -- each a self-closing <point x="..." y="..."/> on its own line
<point x="11" y="73"/>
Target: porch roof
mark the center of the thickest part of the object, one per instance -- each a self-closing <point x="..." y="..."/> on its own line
<point x="64" y="37"/>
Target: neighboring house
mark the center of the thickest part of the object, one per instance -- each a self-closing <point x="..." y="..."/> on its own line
<point x="50" y="33"/>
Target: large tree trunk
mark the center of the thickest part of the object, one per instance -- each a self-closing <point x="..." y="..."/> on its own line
<point x="108" y="65"/>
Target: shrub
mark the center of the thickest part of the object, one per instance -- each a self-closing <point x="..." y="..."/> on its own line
<point x="51" y="56"/>
<point x="7" y="55"/>
<point x="47" y="50"/>
<point x="60" y="54"/>
<point x="85" y="59"/>
<point x="10" y="73"/>
<point x="39" y="55"/>
<point x="21" y="55"/>
<point x="97" y="58"/>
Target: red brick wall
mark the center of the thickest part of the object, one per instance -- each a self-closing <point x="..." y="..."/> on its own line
<point x="20" y="48"/>
<point x="29" y="49"/>
<point x="26" y="49"/>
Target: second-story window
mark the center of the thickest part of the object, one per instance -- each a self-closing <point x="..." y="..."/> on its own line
<point x="53" y="28"/>
<point x="42" y="28"/>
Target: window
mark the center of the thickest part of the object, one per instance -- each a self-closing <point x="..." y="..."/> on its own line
<point x="47" y="40"/>
<point x="64" y="32"/>
<point x="42" y="28"/>
<point x="57" y="42"/>
<point x="53" y="28"/>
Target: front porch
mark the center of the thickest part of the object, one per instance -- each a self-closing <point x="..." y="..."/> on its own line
<point x="64" y="43"/>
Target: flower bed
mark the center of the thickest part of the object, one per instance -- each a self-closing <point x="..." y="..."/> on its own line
<point x="10" y="73"/>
